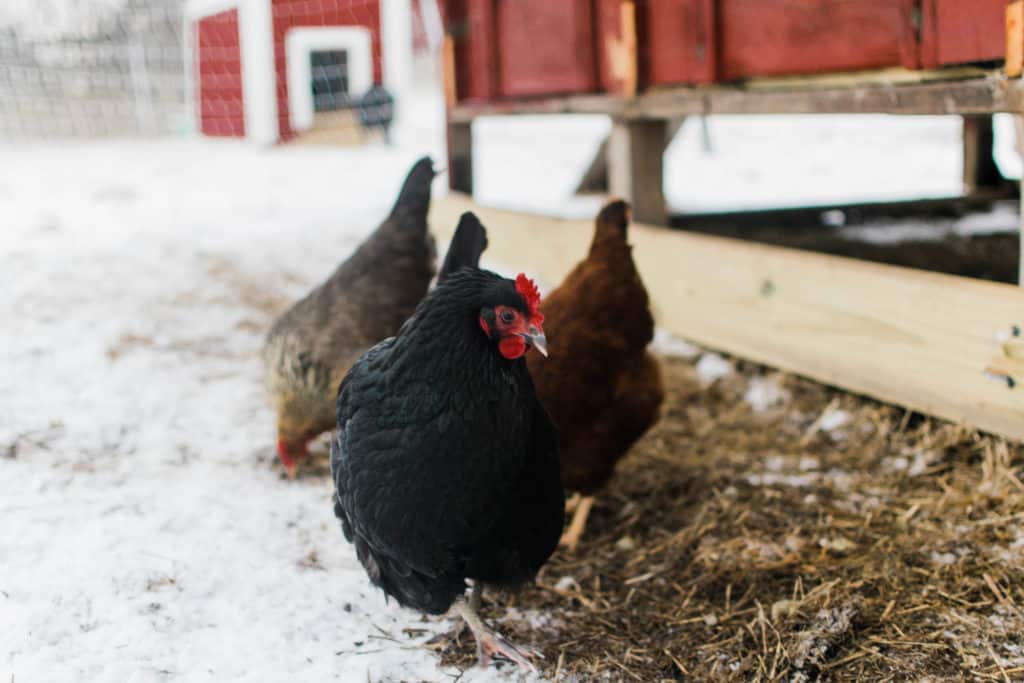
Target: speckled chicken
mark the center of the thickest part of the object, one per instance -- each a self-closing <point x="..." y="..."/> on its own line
<point x="601" y="386"/>
<point x="312" y="345"/>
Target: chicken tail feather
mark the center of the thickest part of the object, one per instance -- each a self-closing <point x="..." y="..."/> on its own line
<point x="414" y="197"/>
<point x="469" y="241"/>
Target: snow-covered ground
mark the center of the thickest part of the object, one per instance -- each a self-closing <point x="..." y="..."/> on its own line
<point x="146" y="533"/>
<point x="729" y="163"/>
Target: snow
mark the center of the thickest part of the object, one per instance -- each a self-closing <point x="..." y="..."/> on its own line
<point x="764" y="393"/>
<point x="668" y="344"/>
<point x="833" y="419"/>
<point x="711" y="367"/>
<point x="47" y="19"/>
<point x="1002" y="217"/>
<point x="146" y="533"/>
<point x="752" y="161"/>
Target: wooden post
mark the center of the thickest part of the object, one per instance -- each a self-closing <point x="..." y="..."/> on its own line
<point x="1018" y="121"/>
<point x="1014" y="63"/>
<point x="460" y="156"/>
<point x="460" y="134"/>
<point x="635" y="152"/>
<point x="595" y="178"/>
<point x="980" y="170"/>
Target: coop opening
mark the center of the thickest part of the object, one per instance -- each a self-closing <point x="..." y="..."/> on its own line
<point x="330" y="80"/>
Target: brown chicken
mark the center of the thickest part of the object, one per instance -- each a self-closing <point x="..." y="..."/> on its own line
<point x="313" y="344"/>
<point x="601" y="386"/>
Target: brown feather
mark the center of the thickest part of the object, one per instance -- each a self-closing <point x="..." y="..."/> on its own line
<point x="600" y="385"/>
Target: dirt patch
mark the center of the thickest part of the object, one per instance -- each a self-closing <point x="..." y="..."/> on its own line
<point x="825" y="537"/>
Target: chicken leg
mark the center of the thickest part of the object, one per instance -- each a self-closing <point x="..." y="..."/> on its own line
<point x="571" y="537"/>
<point x="489" y="643"/>
<point x="476" y="597"/>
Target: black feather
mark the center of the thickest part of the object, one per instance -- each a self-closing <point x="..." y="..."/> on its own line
<point x="445" y="463"/>
<point x="469" y="241"/>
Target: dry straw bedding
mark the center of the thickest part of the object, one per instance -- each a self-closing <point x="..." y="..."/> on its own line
<point x="825" y="537"/>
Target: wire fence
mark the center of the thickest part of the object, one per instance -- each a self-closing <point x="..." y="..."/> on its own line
<point x="119" y="74"/>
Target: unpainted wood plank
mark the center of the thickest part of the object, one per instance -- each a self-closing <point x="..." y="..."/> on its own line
<point x="1014" y="38"/>
<point x="978" y="95"/>
<point x="595" y="178"/>
<point x="617" y="41"/>
<point x="915" y="339"/>
<point x="460" y="156"/>
<point x="1018" y="124"/>
<point x="635" y="165"/>
<point x="979" y="169"/>
<point x="451" y="95"/>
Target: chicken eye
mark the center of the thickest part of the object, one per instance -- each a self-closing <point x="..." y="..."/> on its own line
<point x="507" y="316"/>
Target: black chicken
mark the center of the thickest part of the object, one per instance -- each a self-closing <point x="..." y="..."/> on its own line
<point x="445" y="463"/>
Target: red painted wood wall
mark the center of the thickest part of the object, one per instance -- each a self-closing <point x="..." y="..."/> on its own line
<point x="678" y="41"/>
<point x="472" y="25"/>
<point x="783" y="37"/>
<point x="546" y="47"/>
<point x="524" y="48"/>
<point x="221" y="107"/>
<point x="288" y="14"/>
<point x="961" y="31"/>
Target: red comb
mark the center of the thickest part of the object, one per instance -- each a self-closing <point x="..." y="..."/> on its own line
<point x="528" y="290"/>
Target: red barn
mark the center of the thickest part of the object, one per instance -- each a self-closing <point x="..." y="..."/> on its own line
<point x="263" y="69"/>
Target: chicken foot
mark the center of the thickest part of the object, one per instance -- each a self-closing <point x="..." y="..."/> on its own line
<point x="476" y="597"/>
<point x="475" y="603"/>
<point x="489" y="643"/>
<point x="571" y="537"/>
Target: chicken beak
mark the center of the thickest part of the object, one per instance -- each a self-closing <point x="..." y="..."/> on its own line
<point x="537" y="338"/>
<point x="290" y="470"/>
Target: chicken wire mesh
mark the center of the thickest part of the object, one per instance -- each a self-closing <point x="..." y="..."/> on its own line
<point x="96" y="68"/>
<point x="86" y="69"/>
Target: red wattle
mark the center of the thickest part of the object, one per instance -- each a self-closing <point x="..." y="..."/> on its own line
<point x="512" y="347"/>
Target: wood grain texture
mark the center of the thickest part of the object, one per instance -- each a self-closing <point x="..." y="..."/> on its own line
<point x="545" y="47"/>
<point x="773" y="37"/>
<point x="915" y="339"/>
<point x="978" y="94"/>
<point x="471" y="25"/>
<point x="1014" y="38"/>
<point x="617" y="46"/>
<point x="636" y="150"/>
<point x="678" y="41"/>
<point x="957" y="32"/>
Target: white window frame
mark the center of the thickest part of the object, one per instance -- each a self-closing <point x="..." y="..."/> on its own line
<point x="301" y="42"/>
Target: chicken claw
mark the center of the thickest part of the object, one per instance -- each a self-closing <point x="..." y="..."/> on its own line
<point x="489" y="644"/>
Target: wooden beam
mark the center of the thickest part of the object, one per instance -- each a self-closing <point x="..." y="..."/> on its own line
<point x="636" y="151"/>
<point x="617" y="44"/>
<point x="451" y="95"/>
<point x="920" y="340"/>
<point x="1018" y="123"/>
<point x="980" y="172"/>
<point x="1014" y="38"/>
<point x="595" y="178"/>
<point x="460" y="156"/>
<point x="977" y="95"/>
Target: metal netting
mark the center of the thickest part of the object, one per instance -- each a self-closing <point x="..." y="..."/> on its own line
<point x="94" y="69"/>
